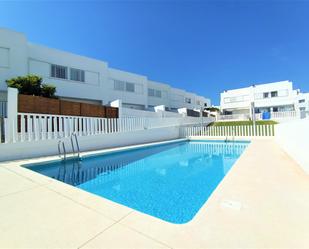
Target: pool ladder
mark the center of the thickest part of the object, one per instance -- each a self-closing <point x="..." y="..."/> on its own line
<point x="75" y="147"/>
<point x="62" y="154"/>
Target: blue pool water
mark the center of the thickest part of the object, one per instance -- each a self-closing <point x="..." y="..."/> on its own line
<point x="170" y="181"/>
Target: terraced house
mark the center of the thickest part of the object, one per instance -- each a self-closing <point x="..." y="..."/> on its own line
<point x="85" y="79"/>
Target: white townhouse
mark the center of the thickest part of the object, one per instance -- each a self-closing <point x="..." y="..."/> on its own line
<point x="270" y="97"/>
<point x="85" y="79"/>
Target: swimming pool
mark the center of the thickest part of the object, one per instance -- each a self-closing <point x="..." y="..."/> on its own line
<point x="170" y="181"/>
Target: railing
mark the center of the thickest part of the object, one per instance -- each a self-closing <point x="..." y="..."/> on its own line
<point x="3" y="108"/>
<point x="229" y="131"/>
<point x="279" y="116"/>
<point x="259" y="116"/>
<point x="34" y="127"/>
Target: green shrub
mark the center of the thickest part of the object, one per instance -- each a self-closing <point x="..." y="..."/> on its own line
<point x="48" y="91"/>
<point x="32" y="85"/>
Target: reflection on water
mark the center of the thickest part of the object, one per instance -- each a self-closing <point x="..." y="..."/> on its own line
<point x="75" y="172"/>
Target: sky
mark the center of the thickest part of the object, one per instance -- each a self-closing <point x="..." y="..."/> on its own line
<point x="204" y="47"/>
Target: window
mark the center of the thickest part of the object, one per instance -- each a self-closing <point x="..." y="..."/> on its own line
<point x="275" y="109"/>
<point x="158" y="94"/>
<point x="130" y="87"/>
<point x="119" y="85"/>
<point x="274" y="94"/>
<point x="188" y="100"/>
<point x="151" y="92"/>
<point x="60" y="72"/>
<point x="154" y="93"/>
<point x="77" y="75"/>
<point x="124" y="86"/>
<point x="205" y="104"/>
<point x="265" y="95"/>
<point x="301" y="101"/>
<point x="302" y="109"/>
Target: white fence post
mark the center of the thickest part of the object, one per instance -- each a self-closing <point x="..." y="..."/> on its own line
<point x="12" y="110"/>
<point x="117" y="103"/>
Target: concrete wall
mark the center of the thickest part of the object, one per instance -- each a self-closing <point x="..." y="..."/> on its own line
<point x="32" y="149"/>
<point x="293" y="137"/>
<point x="14" y="55"/>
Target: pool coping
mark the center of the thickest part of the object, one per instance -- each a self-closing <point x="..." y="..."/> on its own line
<point x="135" y="220"/>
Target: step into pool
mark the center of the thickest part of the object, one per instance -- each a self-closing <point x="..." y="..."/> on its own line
<point x="170" y="181"/>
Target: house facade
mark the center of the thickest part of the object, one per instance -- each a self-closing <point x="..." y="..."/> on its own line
<point x="270" y="97"/>
<point x="85" y="79"/>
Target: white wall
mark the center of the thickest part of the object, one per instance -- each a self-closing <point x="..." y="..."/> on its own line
<point x="32" y="149"/>
<point x="41" y="58"/>
<point x="128" y="112"/>
<point x="165" y="94"/>
<point x="138" y="97"/>
<point x="293" y="137"/>
<point x="15" y="45"/>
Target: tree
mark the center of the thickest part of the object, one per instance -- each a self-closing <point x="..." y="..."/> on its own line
<point x="32" y="85"/>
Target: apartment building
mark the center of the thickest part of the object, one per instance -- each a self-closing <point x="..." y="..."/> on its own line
<point x="303" y="102"/>
<point x="85" y="79"/>
<point x="270" y="97"/>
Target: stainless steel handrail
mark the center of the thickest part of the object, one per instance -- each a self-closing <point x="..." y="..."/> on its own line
<point x="60" y="142"/>
<point x="77" y="145"/>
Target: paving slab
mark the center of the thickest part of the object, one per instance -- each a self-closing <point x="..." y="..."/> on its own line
<point x="11" y="182"/>
<point x="119" y="236"/>
<point x="41" y="218"/>
<point x="104" y="206"/>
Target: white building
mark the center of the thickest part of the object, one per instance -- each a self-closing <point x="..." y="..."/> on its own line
<point x="271" y="97"/>
<point x="84" y="79"/>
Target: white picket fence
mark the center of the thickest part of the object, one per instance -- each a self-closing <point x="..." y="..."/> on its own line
<point x="229" y="131"/>
<point x="34" y="127"/>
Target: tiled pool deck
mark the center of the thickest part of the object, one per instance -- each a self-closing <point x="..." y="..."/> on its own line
<point x="263" y="202"/>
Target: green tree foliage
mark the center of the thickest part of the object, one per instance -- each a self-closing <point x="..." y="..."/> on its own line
<point x="48" y="91"/>
<point x="32" y="85"/>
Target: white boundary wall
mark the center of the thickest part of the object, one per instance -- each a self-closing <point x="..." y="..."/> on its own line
<point x="128" y="112"/>
<point x="293" y="137"/>
<point x="30" y="149"/>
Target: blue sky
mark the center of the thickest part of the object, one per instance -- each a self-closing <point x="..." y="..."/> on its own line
<point x="201" y="46"/>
